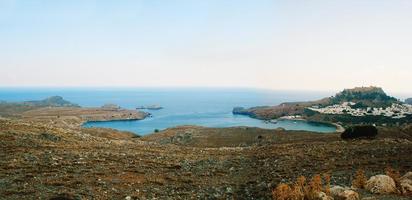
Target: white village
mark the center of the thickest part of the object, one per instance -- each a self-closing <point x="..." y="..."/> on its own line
<point x="395" y="111"/>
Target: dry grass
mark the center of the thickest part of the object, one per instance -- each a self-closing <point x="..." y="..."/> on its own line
<point x="360" y="179"/>
<point x="327" y="177"/>
<point x="395" y="175"/>
<point x="298" y="192"/>
<point x="314" y="187"/>
<point x="301" y="190"/>
<point x="282" y="192"/>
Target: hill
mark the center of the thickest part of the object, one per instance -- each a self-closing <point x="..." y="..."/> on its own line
<point x="42" y="161"/>
<point x="13" y="109"/>
<point x="53" y="101"/>
<point x="361" y="96"/>
<point x="364" y="97"/>
<point x="409" y="101"/>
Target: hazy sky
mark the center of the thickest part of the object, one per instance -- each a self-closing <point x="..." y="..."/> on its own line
<point x="306" y="44"/>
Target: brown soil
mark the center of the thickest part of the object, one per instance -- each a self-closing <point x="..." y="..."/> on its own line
<point x="40" y="161"/>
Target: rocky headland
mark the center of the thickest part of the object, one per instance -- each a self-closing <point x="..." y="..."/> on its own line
<point x="360" y="105"/>
<point x="56" y="110"/>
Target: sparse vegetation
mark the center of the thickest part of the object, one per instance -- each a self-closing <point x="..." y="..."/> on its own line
<point x="395" y="175"/>
<point x="282" y="192"/>
<point x="301" y="190"/>
<point x="365" y="131"/>
<point x="360" y="179"/>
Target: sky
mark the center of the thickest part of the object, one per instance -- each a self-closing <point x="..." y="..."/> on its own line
<point x="281" y="45"/>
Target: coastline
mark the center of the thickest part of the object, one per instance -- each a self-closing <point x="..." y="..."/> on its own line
<point x="339" y="128"/>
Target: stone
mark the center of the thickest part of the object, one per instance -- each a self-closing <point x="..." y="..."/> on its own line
<point x="381" y="184"/>
<point x="405" y="183"/>
<point x="324" y="196"/>
<point x="341" y="193"/>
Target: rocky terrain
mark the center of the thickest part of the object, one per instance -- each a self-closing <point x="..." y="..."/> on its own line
<point x="42" y="161"/>
<point x="46" y="154"/>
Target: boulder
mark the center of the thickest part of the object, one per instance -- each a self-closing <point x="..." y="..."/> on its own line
<point x="405" y="183"/>
<point x="381" y="184"/>
<point x="324" y="196"/>
<point x="341" y="193"/>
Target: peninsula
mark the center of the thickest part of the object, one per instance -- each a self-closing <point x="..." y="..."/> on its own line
<point x="361" y="105"/>
<point x="58" y="111"/>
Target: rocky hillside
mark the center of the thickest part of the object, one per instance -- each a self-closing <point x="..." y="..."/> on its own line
<point x="53" y="101"/>
<point x="59" y="111"/>
<point x="362" y="96"/>
<point x="41" y="161"/>
<point x="14" y="109"/>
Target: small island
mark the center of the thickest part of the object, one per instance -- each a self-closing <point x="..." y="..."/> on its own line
<point x="150" y="107"/>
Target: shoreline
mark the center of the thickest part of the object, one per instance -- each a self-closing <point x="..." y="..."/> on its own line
<point x="338" y="128"/>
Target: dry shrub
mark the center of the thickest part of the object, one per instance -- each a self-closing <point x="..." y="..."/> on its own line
<point x="314" y="187"/>
<point x="282" y="192"/>
<point x="395" y="175"/>
<point x="298" y="189"/>
<point x="302" y="191"/>
<point x="326" y="189"/>
<point x="360" y="179"/>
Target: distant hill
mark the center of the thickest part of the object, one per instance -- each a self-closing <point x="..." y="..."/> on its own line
<point x="364" y="97"/>
<point x="15" y="108"/>
<point x="408" y="101"/>
<point x="54" y="101"/>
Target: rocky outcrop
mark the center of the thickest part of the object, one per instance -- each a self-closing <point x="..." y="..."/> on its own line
<point x="381" y="184"/>
<point x="324" y="196"/>
<point x="405" y="183"/>
<point x="243" y="111"/>
<point x="341" y="193"/>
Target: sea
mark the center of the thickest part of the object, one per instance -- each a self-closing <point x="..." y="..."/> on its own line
<point x="208" y="107"/>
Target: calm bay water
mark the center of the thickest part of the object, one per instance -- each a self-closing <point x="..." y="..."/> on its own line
<point x="182" y="106"/>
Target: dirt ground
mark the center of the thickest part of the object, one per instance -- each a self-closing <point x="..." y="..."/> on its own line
<point x="42" y="161"/>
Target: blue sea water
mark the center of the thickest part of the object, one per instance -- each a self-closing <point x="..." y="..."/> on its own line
<point x="208" y="107"/>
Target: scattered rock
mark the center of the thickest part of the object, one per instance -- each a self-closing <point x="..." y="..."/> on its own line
<point x="50" y="137"/>
<point x="324" y="196"/>
<point x="64" y="196"/>
<point x="406" y="183"/>
<point x="381" y="184"/>
<point x="182" y="138"/>
<point x="369" y="198"/>
<point x="341" y="193"/>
